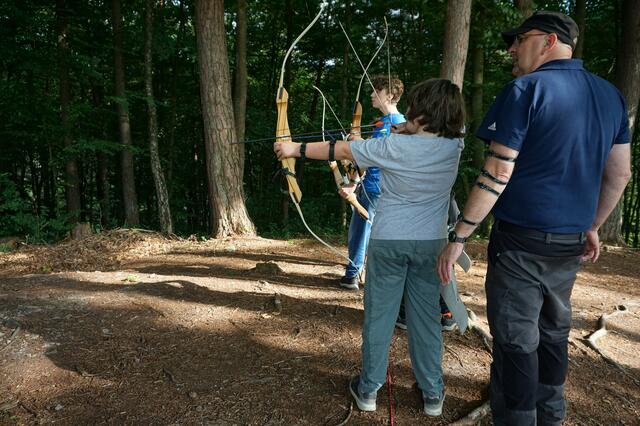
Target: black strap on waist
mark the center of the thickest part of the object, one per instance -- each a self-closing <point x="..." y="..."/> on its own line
<point x="548" y="237"/>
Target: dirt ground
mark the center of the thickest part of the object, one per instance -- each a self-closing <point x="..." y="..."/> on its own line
<point x="129" y="328"/>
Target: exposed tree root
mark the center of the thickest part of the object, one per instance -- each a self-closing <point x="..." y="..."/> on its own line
<point x="475" y="416"/>
<point x="474" y="325"/>
<point x="592" y="340"/>
<point x="346" y="419"/>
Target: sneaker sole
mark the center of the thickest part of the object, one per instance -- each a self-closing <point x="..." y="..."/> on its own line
<point x="363" y="406"/>
<point x="350" y="286"/>
<point x="434" y="412"/>
<point x="401" y="326"/>
<point x="449" y="327"/>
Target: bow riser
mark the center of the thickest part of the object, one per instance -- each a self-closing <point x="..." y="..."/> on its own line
<point x="351" y="199"/>
<point x="283" y="134"/>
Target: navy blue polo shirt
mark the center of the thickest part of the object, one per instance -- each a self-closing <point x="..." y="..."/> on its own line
<point x="564" y="121"/>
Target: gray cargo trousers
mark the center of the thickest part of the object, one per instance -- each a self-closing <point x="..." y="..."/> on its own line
<point x="529" y="281"/>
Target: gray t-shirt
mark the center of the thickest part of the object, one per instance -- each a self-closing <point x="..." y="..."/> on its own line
<point x="417" y="173"/>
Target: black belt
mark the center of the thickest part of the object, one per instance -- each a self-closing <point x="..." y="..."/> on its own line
<point x="548" y="237"/>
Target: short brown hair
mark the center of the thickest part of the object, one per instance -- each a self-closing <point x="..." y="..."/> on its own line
<point x="384" y="81"/>
<point x="438" y="105"/>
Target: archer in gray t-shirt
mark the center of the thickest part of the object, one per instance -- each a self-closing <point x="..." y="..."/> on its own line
<point x="417" y="173"/>
<point x="418" y="170"/>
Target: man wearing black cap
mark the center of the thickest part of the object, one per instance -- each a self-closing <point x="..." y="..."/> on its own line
<point x="558" y="161"/>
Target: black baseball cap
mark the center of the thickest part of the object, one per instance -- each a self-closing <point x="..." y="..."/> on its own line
<point x="549" y="22"/>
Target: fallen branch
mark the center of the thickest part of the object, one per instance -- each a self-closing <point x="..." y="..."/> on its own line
<point x="475" y="416"/>
<point x="346" y="419"/>
<point x="455" y="354"/>
<point x="11" y="338"/>
<point x="29" y="409"/>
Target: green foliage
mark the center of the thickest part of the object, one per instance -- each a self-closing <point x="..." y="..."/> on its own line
<point x="32" y="173"/>
<point x="17" y="216"/>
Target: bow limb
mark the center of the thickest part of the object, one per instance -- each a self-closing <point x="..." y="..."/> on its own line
<point x="363" y="67"/>
<point x="282" y="127"/>
<point x="356" y="117"/>
<point x="284" y="134"/>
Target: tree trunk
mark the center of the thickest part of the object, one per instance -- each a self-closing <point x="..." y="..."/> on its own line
<point x="581" y="12"/>
<point x="477" y="93"/>
<point x="129" y="196"/>
<point x="164" y="210"/>
<point x="224" y="172"/>
<point x="71" y="189"/>
<point x="627" y="72"/>
<point x="173" y="96"/>
<point x="456" y="41"/>
<point x="240" y="85"/>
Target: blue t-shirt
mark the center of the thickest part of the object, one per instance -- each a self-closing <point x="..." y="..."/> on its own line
<point x="371" y="180"/>
<point x="563" y="121"/>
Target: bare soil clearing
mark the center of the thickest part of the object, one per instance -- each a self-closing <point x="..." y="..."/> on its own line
<point x="127" y="327"/>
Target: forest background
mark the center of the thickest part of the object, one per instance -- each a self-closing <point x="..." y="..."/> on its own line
<point x="130" y="114"/>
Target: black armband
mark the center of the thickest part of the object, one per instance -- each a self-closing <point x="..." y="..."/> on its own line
<point x="487" y="188"/>
<point x="332" y="147"/>
<point x="303" y="150"/>
<point x="463" y="219"/>
<point x="492" y="153"/>
<point x="491" y="177"/>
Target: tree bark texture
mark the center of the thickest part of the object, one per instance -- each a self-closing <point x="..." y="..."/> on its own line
<point x="224" y="173"/>
<point x="628" y="82"/>
<point x="162" y="196"/>
<point x="129" y="195"/>
<point x="72" y="180"/>
<point x="240" y="84"/>
<point x="456" y="41"/>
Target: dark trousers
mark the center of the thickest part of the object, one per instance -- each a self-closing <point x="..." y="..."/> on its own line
<point x="529" y="281"/>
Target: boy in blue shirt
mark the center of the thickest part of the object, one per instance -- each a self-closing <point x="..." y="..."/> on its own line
<point x="388" y="90"/>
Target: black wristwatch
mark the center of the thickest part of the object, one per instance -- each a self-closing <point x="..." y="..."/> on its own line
<point x="453" y="238"/>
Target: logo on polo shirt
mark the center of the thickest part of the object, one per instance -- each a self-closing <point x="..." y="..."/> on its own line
<point x="492" y="127"/>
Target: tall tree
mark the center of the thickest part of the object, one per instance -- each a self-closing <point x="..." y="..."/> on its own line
<point x="627" y="72"/>
<point x="72" y="181"/>
<point x="226" y="195"/>
<point x="129" y="195"/>
<point x="456" y="41"/>
<point x="164" y="211"/>
<point x="240" y="83"/>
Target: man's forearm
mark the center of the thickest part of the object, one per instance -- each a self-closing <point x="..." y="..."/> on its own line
<point x="320" y="151"/>
<point x="610" y="192"/>
<point x="476" y="209"/>
<point x="617" y="172"/>
<point x="493" y="179"/>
